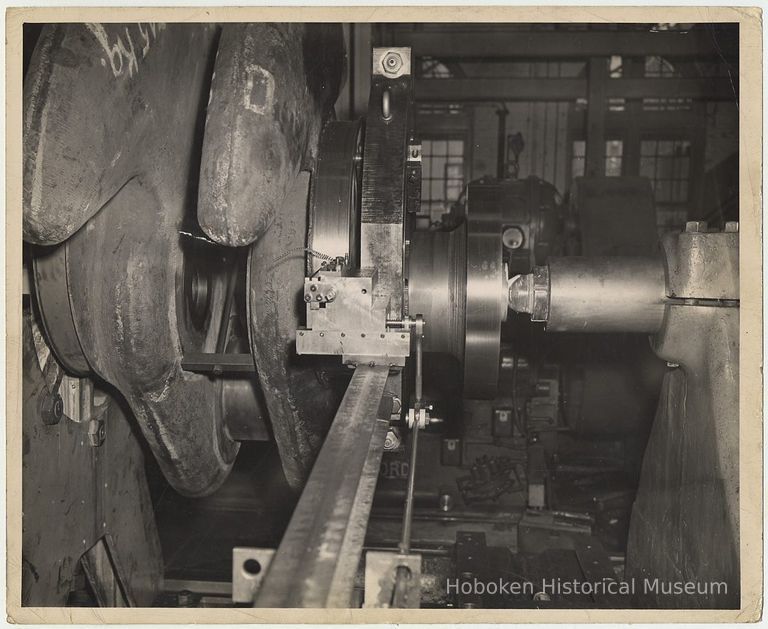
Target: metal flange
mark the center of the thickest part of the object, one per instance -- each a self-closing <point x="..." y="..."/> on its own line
<point x="334" y="216"/>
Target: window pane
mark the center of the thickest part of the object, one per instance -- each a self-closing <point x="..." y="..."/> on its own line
<point x="577" y="168"/>
<point x="647" y="167"/>
<point x="454" y="171"/>
<point x="648" y="147"/>
<point x="666" y="147"/>
<point x="614" y="148"/>
<point x="613" y="167"/>
<point x="456" y="147"/>
<point x="425" y="190"/>
<point x="663" y="192"/>
<point x="438" y="167"/>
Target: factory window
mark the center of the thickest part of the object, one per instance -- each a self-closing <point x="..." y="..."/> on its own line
<point x="667" y="164"/>
<point x="614" y="151"/>
<point x="430" y="68"/>
<point x="442" y="175"/>
<point x="660" y="68"/>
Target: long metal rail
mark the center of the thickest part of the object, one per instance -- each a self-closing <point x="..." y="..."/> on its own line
<point x="318" y="557"/>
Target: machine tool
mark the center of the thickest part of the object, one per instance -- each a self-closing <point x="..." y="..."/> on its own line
<point x="321" y="318"/>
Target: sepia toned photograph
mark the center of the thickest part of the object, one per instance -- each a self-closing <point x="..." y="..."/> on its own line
<point x="384" y="316"/>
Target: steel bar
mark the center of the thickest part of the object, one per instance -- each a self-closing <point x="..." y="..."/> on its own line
<point x="316" y="561"/>
<point x="505" y="44"/>
<point x="218" y="364"/>
<point x="569" y="89"/>
<point x="405" y="540"/>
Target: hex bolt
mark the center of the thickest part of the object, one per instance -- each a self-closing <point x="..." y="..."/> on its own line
<point x="330" y="294"/>
<point x="393" y="439"/>
<point x="446" y="502"/>
<point x="673" y="365"/>
<point x="392" y="63"/>
<point x="313" y="288"/>
<point x="696" y="226"/>
<point x="97" y="432"/>
<point x="307" y="298"/>
<point x="732" y="226"/>
<point x="397" y="405"/>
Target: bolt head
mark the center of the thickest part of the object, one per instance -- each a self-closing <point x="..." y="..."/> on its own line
<point x="392" y="63"/>
<point x="97" y="431"/>
<point x="696" y="226"/>
<point x="58" y="406"/>
<point x="732" y="226"/>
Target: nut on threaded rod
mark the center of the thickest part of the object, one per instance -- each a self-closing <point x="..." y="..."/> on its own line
<point x="530" y="293"/>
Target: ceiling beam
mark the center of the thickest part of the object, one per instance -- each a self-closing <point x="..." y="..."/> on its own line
<point x="536" y="89"/>
<point x="567" y="44"/>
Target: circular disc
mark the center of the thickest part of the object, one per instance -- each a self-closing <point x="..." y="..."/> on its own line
<point x="334" y="214"/>
<point x="486" y="297"/>
<point x="52" y="293"/>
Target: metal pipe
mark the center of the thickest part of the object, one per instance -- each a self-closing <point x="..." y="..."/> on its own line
<point x="572" y="294"/>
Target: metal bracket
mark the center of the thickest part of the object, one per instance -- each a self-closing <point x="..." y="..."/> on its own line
<point x="346" y="318"/>
<point x="391" y="62"/>
<point x="380" y="579"/>
<point x="249" y="565"/>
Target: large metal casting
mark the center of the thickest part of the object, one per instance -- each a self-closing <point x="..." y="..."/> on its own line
<point x="689" y="488"/>
<point x="123" y="268"/>
<point x="138" y="287"/>
<point x="274" y="85"/>
<point x="297" y="392"/>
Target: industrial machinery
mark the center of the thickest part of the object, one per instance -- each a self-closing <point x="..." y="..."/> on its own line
<point x="302" y="306"/>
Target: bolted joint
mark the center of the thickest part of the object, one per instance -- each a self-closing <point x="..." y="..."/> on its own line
<point x="97" y="432"/>
<point x="393" y="439"/>
<point x="530" y="293"/>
